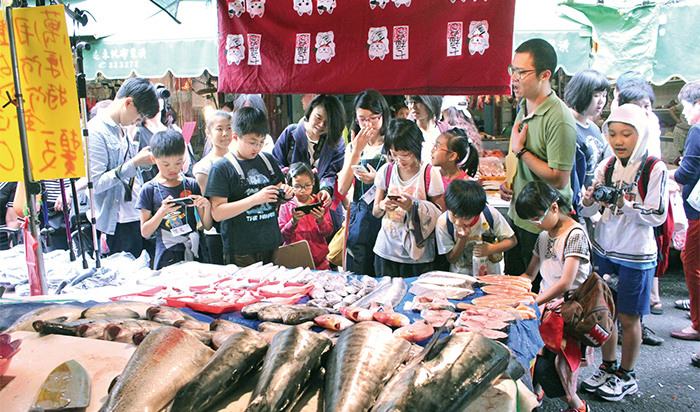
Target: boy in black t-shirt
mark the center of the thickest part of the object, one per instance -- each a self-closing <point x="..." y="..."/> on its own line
<point x="174" y="223"/>
<point x="245" y="189"/>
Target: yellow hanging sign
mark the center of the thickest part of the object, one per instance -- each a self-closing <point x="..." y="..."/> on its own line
<point x="51" y="112"/>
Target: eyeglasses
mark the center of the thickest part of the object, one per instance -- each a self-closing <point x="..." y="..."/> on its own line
<point x="254" y="145"/>
<point x="401" y="157"/>
<point x="436" y="146"/>
<point x="410" y="102"/>
<point x="539" y="221"/>
<point x="371" y="119"/>
<point x="303" y="187"/>
<point x="517" y="73"/>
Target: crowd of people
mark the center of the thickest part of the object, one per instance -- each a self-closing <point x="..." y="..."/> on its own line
<point x="398" y="185"/>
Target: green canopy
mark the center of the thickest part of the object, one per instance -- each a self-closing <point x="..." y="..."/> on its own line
<point x="135" y="36"/>
<point x="543" y="19"/>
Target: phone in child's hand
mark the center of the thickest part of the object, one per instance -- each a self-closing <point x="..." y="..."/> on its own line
<point x="360" y="168"/>
<point x="394" y="197"/>
<point x="307" y="208"/>
<point x="182" y="201"/>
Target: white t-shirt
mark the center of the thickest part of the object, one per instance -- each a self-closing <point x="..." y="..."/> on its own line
<point x="446" y="242"/>
<point x="554" y="251"/>
<point x="389" y="243"/>
<point x="429" y="138"/>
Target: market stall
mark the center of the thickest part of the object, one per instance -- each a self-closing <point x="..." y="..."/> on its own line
<point x="220" y="309"/>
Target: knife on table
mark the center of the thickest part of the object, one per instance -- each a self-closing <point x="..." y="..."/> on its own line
<point x="66" y="387"/>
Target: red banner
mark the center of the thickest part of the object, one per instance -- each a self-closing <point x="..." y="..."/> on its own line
<point x="342" y="46"/>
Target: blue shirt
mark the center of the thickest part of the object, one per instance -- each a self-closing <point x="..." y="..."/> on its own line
<point x="689" y="171"/>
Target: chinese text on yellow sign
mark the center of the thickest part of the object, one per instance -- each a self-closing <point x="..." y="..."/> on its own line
<point x="47" y="78"/>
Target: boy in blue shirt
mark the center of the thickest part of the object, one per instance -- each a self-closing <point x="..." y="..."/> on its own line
<point x="245" y="189"/>
<point x="174" y="223"/>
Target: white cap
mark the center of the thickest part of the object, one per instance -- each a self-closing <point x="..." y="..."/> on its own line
<point x="458" y="102"/>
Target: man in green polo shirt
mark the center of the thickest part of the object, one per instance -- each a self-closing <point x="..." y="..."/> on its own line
<point x="543" y="139"/>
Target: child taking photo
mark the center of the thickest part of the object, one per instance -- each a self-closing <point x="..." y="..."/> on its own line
<point x="562" y="256"/>
<point x="311" y="224"/>
<point x="633" y="194"/>
<point x="460" y="230"/>
<point x="245" y="188"/>
<point x="409" y="201"/>
<point x="174" y="223"/>
<point x="455" y="155"/>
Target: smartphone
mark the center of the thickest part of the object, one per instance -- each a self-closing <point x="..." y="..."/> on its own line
<point x="281" y="195"/>
<point x="307" y="208"/>
<point x="394" y="197"/>
<point x="182" y="201"/>
<point x="360" y="168"/>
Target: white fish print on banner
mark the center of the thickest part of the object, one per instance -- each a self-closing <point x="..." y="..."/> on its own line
<point x="378" y="43"/>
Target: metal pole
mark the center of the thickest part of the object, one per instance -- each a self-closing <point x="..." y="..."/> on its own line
<point x="82" y="95"/>
<point x="66" y="218"/>
<point x="78" y="222"/>
<point x="28" y="178"/>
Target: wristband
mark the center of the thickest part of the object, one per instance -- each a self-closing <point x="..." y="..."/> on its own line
<point x="521" y="152"/>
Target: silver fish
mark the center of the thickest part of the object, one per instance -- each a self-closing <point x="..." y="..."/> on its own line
<point x="363" y="359"/>
<point x="387" y="292"/>
<point x="294" y="354"/>
<point x="123" y="330"/>
<point x="71" y="328"/>
<point x="121" y="309"/>
<point x="276" y="327"/>
<point x="222" y="325"/>
<point x="164" y="362"/>
<point x="55" y="313"/>
<point x="241" y="353"/>
<point x="192" y="325"/>
<point x="450" y="377"/>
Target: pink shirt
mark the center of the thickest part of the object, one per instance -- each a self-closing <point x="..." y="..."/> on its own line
<point x="307" y="229"/>
<point x="463" y="175"/>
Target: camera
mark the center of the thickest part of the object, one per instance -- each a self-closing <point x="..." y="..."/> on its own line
<point x="162" y="92"/>
<point x="606" y="194"/>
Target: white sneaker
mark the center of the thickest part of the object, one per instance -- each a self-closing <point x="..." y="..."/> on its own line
<point x="597" y="380"/>
<point x="616" y="388"/>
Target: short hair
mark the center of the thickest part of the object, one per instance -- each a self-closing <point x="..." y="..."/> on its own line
<point x="467" y="155"/>
<point x="302" y="168"/>
<point x="143" y="93"/>
<point x="398" y="106"/>
<point x="404" y="135"/>
<point x="433" y="103"/>
<point x="634" y="90"/>
<point x="373" y="101"/>
<point x="465" y="198"/>
<point x="544" y="57"/>
<point x="690" y="92"/>
<point x="335" y="116"/>
<point x="250" y="120"/>
<point x="536" y="197"/>
<point x="166" y="143"/>
<point x="228" y="104"/>
<point x="629" y="76"/>
<point x="217" y="114"/>
<point x="578" y="94"/>
<point x="252" y="100"/>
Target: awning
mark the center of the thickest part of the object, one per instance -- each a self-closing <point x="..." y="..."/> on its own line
<point x="658" y="40"/>
<point x="135" y="36"/>
<point x="543" y="19"/>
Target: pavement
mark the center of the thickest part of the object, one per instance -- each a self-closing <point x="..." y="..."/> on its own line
<point x="667" y="380"/>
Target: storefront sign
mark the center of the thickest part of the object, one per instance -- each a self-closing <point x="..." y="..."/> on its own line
<point x="51" y="113"/>
<point x="397" y="46"/>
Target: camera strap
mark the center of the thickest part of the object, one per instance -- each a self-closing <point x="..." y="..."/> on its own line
<point x="642" y="176"/>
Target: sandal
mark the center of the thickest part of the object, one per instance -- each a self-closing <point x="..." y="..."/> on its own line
<point x="657" y="308"/>
<point x="695" y="360"/>
<point x="683" y="304"/>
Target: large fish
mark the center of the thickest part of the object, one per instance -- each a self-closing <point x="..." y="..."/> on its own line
<point x="290" y="314"/>
<point x="121" y="309"/>
<point x="453" y="373"/>
<point x="365" y="356"/>
<point x="386" y="293"/>
<point x="166" y="315"/>
<point x="72" y="328"/>
<point x="55" y="313"/>
<point x="123" y="330"/>
<point x="164" y="362"/>
<point x="241" y="353"/>
<point x="294" y="354"/>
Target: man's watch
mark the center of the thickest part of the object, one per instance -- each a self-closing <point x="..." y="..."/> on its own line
<point x="521" y="152"/>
